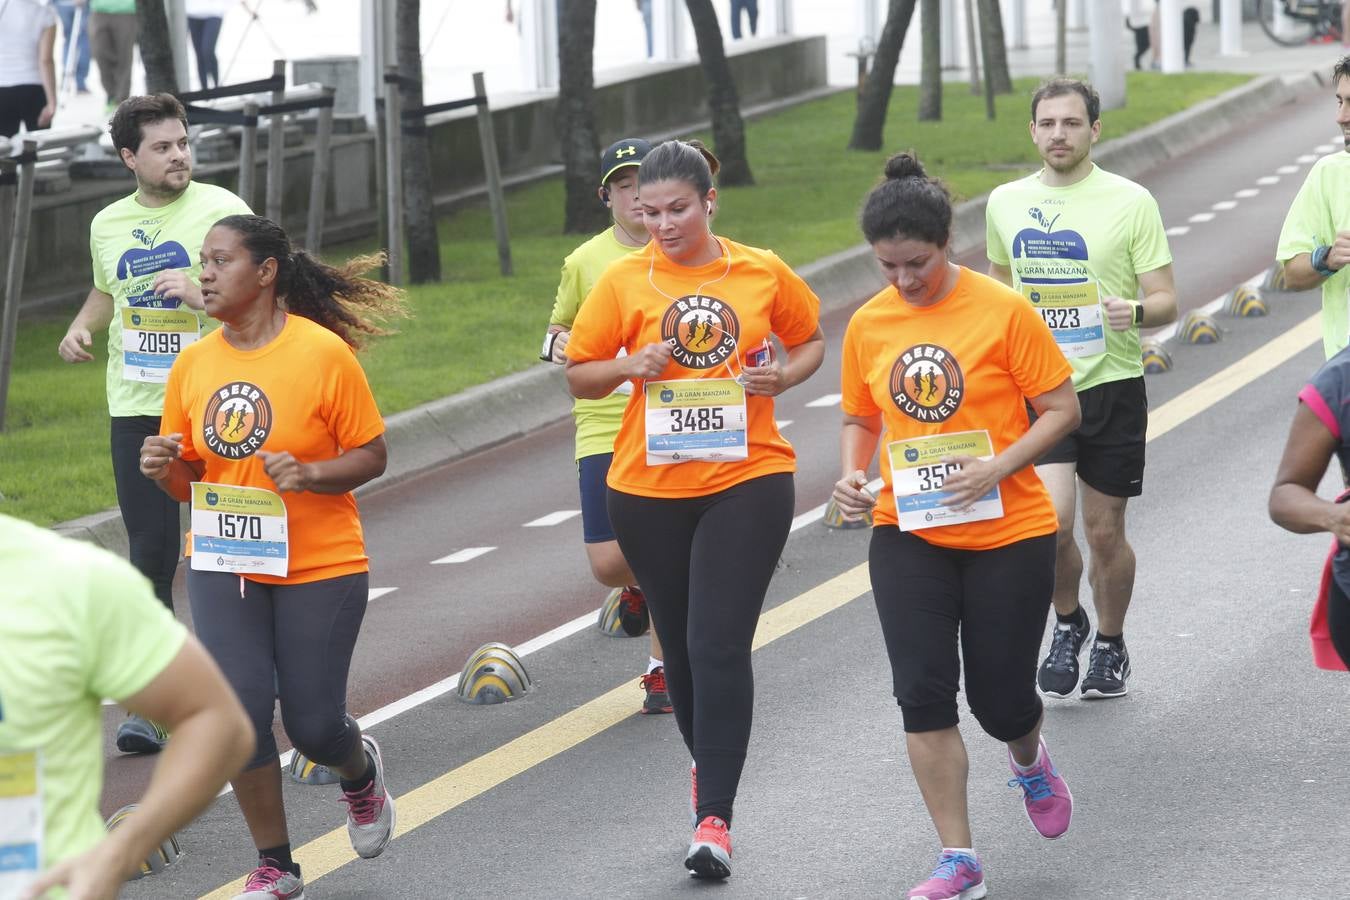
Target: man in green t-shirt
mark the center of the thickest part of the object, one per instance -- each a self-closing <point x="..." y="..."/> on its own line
<point x="598" y="421"/>
<point x="145" y="250"/>
<point x="1081" y="244"/>
<point x="77" y="625"/>
<point x="1314" y="246"/>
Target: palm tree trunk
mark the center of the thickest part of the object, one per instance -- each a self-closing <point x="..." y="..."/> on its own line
<point x="156" y="48"/>
<point x="419" y="212"/>
<point x="994" y="46"/>
<point x="869" y="125"/>
<point x="930" y="66"/>
<point x="724" y="104"/>
<point x="582" y="212"/>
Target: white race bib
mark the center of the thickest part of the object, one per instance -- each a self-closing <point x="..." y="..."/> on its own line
<point x="152" y="340"/>
<point x="241" y="530"/>
<point x="20" y="821"/>
<point x="695" y="419"/>
<point x="918" y="474"/>
<point x="1074" y="314"/>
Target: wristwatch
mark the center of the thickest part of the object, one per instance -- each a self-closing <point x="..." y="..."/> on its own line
<point x="1138" y="312"/>
<point x="1319" y="261"/>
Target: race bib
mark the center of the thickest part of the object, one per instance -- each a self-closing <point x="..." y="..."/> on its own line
<point x="20" y="821"/>
<point x="695" y="419"/>
<point x="152" y="340"/>
<point x="241" y="530"/>
<point x="1074" y="314"/>
<point x="918" y="474"/>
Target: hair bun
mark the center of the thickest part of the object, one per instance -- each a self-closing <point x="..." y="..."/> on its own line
<point x="904" y="165"/>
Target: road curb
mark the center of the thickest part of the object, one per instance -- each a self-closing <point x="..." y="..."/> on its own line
<point x="490" y="414"/>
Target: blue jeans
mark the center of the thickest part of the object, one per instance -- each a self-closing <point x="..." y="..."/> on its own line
<point x="751" y="8"/>
<point x="66" y="10"/>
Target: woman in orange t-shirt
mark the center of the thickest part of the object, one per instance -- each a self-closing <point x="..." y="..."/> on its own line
<point x="938" y="369"/>
<point x="700" y="489"/>
<point x="268" y="427"/>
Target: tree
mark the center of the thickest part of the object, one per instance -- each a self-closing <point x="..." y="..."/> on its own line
<point x="1061" y="39"/>
<point x="156" y="48"/>
<point x="930" y="64"/>
<point x="576" y="117"/>
<point x="869" y="125"/>
<point x="994" y="46"/>
<point x="724" y="104"/>
<point x="419" y="212"/>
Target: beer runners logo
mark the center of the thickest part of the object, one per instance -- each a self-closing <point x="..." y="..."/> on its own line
<point x="237" y="421"/>
<point x="703" y="331"/>
<point x="927" y="384"/>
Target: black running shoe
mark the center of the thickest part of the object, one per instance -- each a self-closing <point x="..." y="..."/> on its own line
<point x="1108" y="667"/>
<point x="1058" y="675"/>
<point x="658" y="701"/>
<point x="633" y="616"/>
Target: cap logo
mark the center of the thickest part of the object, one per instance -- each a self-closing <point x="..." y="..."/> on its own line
<point x="630" y="150"/>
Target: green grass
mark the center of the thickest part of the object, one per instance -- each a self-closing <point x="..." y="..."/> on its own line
<point x="475" y="326"/>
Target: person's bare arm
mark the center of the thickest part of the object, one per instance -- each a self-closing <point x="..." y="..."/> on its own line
<point x="47" y="66"/>
<point x="94" y="315"/>
<point x="858" y="439"/>
<point x="338" y="475"/>
<point x="1159" y="302"/>
<point x="212" y="740"/>
<point x="1294" y="504"/>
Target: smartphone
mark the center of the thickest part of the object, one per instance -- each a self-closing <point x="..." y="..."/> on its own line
<point x="546" y="352"/>
<point x="760" y="356"/>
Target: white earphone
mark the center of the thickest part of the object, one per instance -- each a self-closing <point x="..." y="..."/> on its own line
<point x="708" y="207"/>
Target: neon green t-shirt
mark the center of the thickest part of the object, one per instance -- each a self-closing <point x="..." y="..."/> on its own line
<point x="1104" y="228"/>
<point x="130" y="244"/>
<point x="1320" y="209"/>
<point x="77" y="624"/>
<point x="597" y="420"/>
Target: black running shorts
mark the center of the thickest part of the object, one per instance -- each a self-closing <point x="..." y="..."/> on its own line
<point x="1108" y="446"/>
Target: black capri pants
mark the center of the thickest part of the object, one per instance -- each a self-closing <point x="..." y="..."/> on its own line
<point x="704" y="564"/>
<point x="995" y="602"/>
<point x="305" y="634"/>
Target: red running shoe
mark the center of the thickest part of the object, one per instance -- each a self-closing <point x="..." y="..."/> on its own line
<point x="654" y="683"/>
<point x="710" y="853"/>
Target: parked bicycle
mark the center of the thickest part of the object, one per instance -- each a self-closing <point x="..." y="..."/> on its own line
<point x="1305" y="21"/>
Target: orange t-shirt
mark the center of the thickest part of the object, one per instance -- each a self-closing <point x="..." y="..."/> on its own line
<point x="735" y="310"/>
<point x="967" y="363"/>
<point x="303" y="392"/>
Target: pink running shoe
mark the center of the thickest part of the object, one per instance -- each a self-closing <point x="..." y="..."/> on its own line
<point x="267" y="882"/>
<point x="709" y="854"/>
<point x="958" y="876"/>
<point x="1046" y="795"/>
<point x="370" y="813"/>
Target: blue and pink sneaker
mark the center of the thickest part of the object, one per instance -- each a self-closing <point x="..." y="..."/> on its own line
<point x="1046" y="795"/>
<point x="958" y="876"/>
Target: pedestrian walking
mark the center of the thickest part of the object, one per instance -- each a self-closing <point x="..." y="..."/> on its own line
<point x="279" y="576"/>
<point x="700" y="487"/>
<point x="938" y="370"/>
<point x="1088" y="250"/>
<point x="597" y="421"/>
<point x="27" y="66"/>
<point x="113" y="32"/>
<point x="146" y="264"/>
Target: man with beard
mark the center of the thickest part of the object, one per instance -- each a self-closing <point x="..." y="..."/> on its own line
<point x="1314" y="243"/>
<point x="1088" y="249"/>
<point x="145" y="250"/>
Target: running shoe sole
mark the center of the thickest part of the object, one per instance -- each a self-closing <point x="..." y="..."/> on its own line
<point x="972" y="893"/>
<point x="1097" y="694"/>
<point x="707" y="861"/>
<point x="129" y="741"/>
<point x="1058" y="696"/>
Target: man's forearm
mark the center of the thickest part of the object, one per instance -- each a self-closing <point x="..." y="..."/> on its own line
<point x="1299" y="275"/>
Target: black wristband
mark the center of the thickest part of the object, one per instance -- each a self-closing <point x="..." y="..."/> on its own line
<point x="1319" y="261"/>
<point x="1138" y="313"/>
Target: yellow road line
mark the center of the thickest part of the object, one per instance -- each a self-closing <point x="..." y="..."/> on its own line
<point x="421" y="805"/>
<point x="1237" y="376"/>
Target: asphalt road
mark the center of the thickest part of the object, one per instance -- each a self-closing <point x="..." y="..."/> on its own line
<point x="1220" y="775"/>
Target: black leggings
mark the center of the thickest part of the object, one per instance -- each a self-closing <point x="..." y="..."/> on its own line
<point x="704" y="564"/>
<point x="305" y="634"/>
<point x="1338" y="621"/>
<point x="150" y="515"/>
<point x="204" y="33"/>
<point x="996" y="601"/>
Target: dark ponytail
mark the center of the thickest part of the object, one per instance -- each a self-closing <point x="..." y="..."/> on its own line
<point x="907" y="205"/>
<point x="337" y="298"/>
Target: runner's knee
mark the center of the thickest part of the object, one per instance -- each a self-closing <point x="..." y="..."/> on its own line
<point x="322" y="736"/>
<point x="1005" y="713"/>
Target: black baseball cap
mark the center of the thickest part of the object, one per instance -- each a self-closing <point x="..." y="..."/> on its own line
<point x="621" y="153"/>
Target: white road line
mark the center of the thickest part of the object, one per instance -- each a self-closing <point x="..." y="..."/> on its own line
<point x="827" y="400"/>
<point x="377" y="593"/>
<point x="553" y="518"/>
<point x="782" y="423"/>
<point x="1325" y="148"/>
<point x="1268" y="180"/>
<point x="1247" y="192"/>
<point x="1178" y="230"/>
<point x="1201" y="217"/>
<point x="1223" y="205"/>
<point x="1286" y="170"/>
<point x="1308" y="158"/>
<point x="462" y="556"/>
